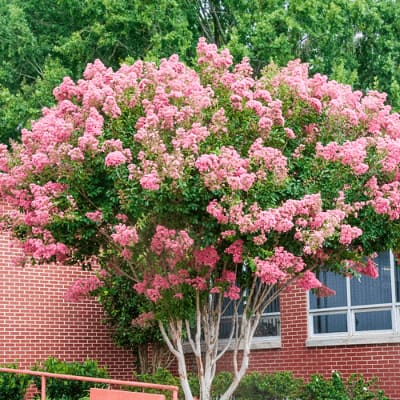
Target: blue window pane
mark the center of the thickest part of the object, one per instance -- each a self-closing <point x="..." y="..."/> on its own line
<point x="373" y="320"/>
<point x="397" y="281"/>
<point x="268" y="326"/>
<point x="365" y="290"/>
<point x="273" y="307"/>
<point x="331" y="323"/>
<point x="335" y="282"/>
<point x="225" y="328"/>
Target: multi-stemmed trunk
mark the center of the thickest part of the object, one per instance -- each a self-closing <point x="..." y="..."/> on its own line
<point x="202" y="340"/>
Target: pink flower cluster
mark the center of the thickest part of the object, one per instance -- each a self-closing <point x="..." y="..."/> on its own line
<point x="95" y="216"/>
<point x="144" y="320"/>
<point x="125" y="235"/>
<point x="268" y="158"/>
<point x="279" y="267"/>
<point x="81" y="289"/>
<point x="351" y="153"/>
<point x="45" y="250"/>
<point x="173" y="245"/>
<point x="385" y="199"/>
<point x="208" y="54"/>
<point x="227" y="168"/>
<point x="236" y="250"/>
<point x="367" y="267"/>
<point x="206" y="257"/>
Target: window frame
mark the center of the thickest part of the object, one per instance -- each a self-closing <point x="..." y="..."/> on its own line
<point x="261" y="342"/>
<point x="352" y="335"/>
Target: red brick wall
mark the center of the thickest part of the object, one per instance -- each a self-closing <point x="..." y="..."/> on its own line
<point x="382" y="361"/>
<point x="36" y="322"/>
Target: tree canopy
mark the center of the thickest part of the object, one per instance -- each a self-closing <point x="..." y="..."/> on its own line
<point x="205" y="186"/>
<point x="355" y="42"/>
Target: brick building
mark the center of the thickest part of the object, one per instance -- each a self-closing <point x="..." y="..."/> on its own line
<point x="358" y="330"/>
<point x="36" y="322"/>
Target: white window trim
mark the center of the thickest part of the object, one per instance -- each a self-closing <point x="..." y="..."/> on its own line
<point x="352" y="337"/>
<point x="257" y="343"/>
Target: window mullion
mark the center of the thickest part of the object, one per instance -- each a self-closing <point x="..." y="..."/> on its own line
<point x="350" y="316"/>
<point x="395" y="318"/>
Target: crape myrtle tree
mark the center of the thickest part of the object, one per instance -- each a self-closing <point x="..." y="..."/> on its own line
<point x="208" y="188"/>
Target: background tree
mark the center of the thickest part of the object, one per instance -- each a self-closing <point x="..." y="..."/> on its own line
<point x="208" y="189"/>
<point x="354" y="42"/>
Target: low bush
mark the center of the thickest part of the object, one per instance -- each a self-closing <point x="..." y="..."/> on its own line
<point x="163" y="377"/>
<point x="277" y="386"/>
<point x="335" y="388"/>
<point x="13" y="386"/>
<point x="62" y="389"/>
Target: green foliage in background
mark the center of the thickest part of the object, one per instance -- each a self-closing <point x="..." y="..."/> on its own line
<point x="355" y="42"/>
<point x="62" y="389"/>
<point x="122" y="304"/>
<point x="13" y="386"/>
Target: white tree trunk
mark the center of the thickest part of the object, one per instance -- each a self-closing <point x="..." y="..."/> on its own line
<point x="204" y="340"/>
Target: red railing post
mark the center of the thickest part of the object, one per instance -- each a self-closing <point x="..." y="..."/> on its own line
<point x="175" y="394"/>
<point x="43" y="391"/>
<point x="118" y="382"/>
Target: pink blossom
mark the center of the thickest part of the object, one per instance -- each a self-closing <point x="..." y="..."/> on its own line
<point x="232" y="293"/>
<point x="111" y="108"/>
<point x="150" y="182"/>
<point x="265" y="125"/>
<point x="236" y="250"/>
<point x="349" y="233"/>
<point x="370" y="269"/>
<point x="115" y="158"/>
<point x="228" y="276"/>
<point x="81" y="289"/>
<point x="94" y="123"/>
<point x="153" y="294"/>
<point x="324" y="291"/>
<point x="143" y="320"/>
<point x="228" y="233"/>
<point x="207" y="256"/>
<point x="289" y="133"/>
<point x="308" y="281"/>
<point x="96" y="216"/>
<point x="76" y="154"/>
<point x="125" y="235"/>
<point x="217" y="211"/>
<point x="227" y="168"/>
<point x="171" y="244"/>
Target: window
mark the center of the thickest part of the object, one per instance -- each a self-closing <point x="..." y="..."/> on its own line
<point x="269" y="325"/>
<point x="361" y="306"/>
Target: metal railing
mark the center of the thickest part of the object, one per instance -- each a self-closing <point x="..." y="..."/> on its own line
<point x="44" y="375"/>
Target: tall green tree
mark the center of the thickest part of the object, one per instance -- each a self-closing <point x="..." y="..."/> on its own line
<point x="356" y="42"/>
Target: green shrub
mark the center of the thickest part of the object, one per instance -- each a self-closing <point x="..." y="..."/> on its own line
<point x="163" y="377"/>
<point x="221" y="382"/>
<point x="356" y="388"/>
<point x="361" y="389"/>
<point x="277" y="386"/>
<point x="62" y="389"/>
<point x="13" y="386"/>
